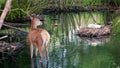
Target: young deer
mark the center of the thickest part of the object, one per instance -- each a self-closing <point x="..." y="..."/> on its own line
<point x="38" y="38"/>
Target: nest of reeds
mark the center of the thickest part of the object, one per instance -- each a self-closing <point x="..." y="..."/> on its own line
<point x="94" y="32"/>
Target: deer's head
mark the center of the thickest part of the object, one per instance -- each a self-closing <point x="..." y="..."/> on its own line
<point x="35" y="19"/>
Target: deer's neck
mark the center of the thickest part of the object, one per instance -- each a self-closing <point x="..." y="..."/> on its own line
<point x="33" y="25"/>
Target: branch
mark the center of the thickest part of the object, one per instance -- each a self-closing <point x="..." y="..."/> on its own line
<point x="5" y="11"/>
<point x="3" y="37"/>
<point x="14" y="28"/>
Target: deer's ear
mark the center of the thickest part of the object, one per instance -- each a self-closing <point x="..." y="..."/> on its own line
<point x="32" y="16"/>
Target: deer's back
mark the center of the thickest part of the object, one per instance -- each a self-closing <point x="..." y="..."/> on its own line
<point x="38" y="36"/>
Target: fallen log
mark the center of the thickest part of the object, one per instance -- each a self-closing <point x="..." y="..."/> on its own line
<point x="94" y="32"/>
<point x="10" y="48"/>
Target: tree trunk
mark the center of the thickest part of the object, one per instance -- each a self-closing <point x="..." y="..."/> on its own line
<point x="5" y="11"/>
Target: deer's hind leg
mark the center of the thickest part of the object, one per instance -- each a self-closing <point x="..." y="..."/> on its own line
<point x="46" y="50"/>
<point x="41" y="52"/>
<point x="47" y="56"/>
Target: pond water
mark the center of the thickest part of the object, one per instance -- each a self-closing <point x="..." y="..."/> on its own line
<point x="67" y="50"/>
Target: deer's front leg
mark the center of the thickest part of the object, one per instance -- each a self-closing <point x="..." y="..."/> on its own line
<point x="36" y="51"/>
<point x="31" y="51"/>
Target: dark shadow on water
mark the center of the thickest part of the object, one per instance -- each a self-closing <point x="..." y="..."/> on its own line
<point x="8" y="62"/>
<point x="35" y="63"/>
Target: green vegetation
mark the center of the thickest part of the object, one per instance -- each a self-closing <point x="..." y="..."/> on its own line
<point x="116" y="25"/>
<point x="22" y="8"/>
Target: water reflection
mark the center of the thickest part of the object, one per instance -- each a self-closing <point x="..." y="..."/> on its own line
<point x="35" y="63"/>
<point x="94" y="41"/>
<point x="69" y="51"/>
